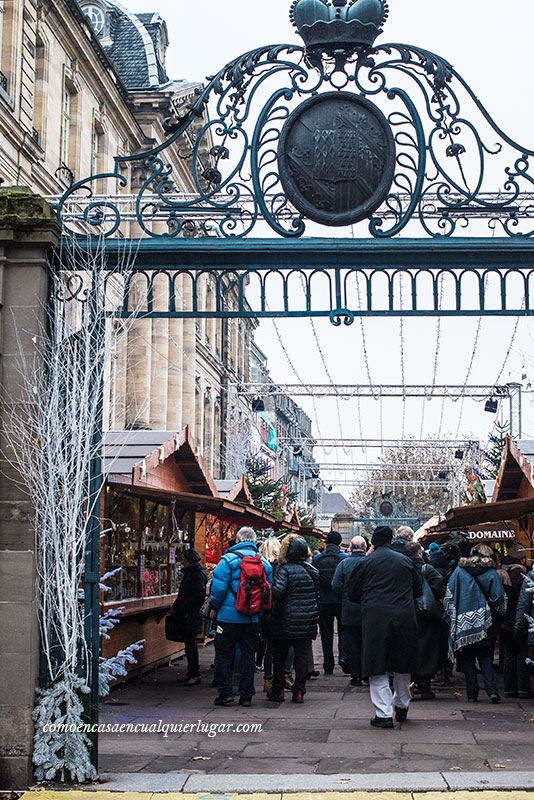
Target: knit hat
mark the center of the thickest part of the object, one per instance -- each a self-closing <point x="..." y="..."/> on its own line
<point x="192" y="556"/>
<point x="382" y="535"/>
<point x="434" y="548"/>
<point x="334" y="538"/>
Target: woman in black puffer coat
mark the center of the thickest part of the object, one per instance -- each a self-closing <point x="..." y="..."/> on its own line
<point x="295" y="615"/>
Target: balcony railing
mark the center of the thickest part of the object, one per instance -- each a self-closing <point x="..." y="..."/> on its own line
<point x="3" y="81"/>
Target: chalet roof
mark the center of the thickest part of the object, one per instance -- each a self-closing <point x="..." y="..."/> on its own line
<point x="464" y="517"/>
<point x="517" y="464"/>
<point x="235" y="490"/>
<point x="134" y="457"/>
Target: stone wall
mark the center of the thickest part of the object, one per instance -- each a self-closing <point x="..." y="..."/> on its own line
<point x="27" y="231"/>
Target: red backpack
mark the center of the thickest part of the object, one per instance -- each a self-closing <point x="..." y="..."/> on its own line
<point x="254" y="593"/>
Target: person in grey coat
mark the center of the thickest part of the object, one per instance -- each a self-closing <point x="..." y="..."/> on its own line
<point x="351" y="613"/>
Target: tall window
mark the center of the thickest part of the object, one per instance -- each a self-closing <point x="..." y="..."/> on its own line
<point x="3" y="78"/>
<point x="97" y="149"/>
<point x="65" y="126"/>
<point x="40" y="97"/>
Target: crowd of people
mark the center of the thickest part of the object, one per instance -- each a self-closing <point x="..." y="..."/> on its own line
<point x="404" y="617"/>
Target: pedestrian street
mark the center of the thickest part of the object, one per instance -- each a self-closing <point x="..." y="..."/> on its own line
<point x="328" y="735"/>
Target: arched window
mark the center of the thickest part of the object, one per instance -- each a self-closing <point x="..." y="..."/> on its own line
<point x="95" y="17"/>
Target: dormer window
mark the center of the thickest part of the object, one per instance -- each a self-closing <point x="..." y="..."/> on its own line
<point x="95" y="16"/>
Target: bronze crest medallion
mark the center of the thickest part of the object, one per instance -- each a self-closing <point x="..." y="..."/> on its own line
<point x="336" y="158"/>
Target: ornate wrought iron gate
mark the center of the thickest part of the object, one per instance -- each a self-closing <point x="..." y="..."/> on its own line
<point x="338" y="132"/>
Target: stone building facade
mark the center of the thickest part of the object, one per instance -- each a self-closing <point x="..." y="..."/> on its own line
<point x="72" y="96"/>
<point x="81" y="84"/>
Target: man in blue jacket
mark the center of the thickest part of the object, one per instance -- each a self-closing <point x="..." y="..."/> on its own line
<point x="234" y="628"/>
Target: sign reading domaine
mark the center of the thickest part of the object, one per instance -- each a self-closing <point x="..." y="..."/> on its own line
<point x="489" y="534"/>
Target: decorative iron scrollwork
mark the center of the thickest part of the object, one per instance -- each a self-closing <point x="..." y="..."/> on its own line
<point x="453" y="169"/>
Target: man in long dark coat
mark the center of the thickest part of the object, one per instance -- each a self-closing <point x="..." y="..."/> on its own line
<point x="386" y="584"/>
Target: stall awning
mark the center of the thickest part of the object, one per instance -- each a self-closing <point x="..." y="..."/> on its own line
<point x="464" y="517"/>
<point x="225" y="510"/>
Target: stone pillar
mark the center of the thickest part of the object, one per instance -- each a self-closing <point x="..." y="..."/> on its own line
<point x="27" y="231"/>
<point x="174" y="372"/>
<point x="159" y="357"/>
<point x="189" y="358"/>
<point x="138" y="361"/>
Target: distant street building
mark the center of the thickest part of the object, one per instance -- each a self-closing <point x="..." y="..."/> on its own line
<point x="335" y="512"/>
<point x="286" y="435"/>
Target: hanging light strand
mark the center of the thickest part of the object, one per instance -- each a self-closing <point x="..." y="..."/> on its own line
<point x="469" y="370"/>
<point x="436" y="362"/>
<point x="403" y="373"/>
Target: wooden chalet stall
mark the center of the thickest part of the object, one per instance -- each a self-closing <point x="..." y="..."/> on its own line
<point x="147" y="528"/>
<point x="159" y="500"/>
<point x="509" y="517"/>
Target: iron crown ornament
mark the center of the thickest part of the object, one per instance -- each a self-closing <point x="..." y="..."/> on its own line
<point x="436" y="163"/>
<point x="339" y="27"/>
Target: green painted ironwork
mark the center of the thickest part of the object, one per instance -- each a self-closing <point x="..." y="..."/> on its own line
<point x="455" y="167"/>
<point x="338" y="279"/>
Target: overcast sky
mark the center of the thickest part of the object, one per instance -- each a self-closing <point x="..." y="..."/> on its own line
<point x="490" y="44"/>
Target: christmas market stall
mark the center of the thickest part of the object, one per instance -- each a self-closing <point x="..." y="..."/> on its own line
<point x="146" y="529"/>
<point x="507" y="518"/>
<point x="158" y="501"/>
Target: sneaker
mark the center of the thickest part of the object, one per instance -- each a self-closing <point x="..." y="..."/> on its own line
<point x="220" y="700"/>
<point x="329" y="672"/>
<point x="401" y="714"/>
<point x="472" y="699"/>
<point x="247" y="702"/>
<point x="313" y="674"/>
<point x="298" y="697"/>
<point x="267" y="684"/>
<point x="193" y="681"/>
<point x="288" y="680"/>
<point x="495" y="698"/>
<point x="275" y="698"/>
<point x="356" y="682"/>
<point x="382" y="722"/>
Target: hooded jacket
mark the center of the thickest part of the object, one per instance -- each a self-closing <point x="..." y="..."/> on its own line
<point x="295" y="593"/>
<point x="225" y="582"/>
<point x="474" y="596"/>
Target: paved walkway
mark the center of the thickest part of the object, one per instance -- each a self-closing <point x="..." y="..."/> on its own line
<point x="329" y="735"/>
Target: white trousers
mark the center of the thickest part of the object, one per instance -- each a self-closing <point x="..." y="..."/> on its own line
<point x="384" y="699"/>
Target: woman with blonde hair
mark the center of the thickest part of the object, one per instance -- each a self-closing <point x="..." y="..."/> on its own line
<point x="270" y="550"/>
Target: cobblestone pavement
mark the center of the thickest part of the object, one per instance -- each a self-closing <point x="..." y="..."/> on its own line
<point x="328" y="735"/>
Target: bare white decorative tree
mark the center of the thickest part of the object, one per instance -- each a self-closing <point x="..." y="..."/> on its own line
<point x="53" y="432"/>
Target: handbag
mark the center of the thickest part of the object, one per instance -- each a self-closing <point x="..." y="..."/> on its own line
<point x="427" y="605"/>
<point x="174" y="628"/>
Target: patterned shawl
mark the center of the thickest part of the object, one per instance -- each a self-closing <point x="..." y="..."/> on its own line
<point x="467" y="610"/>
